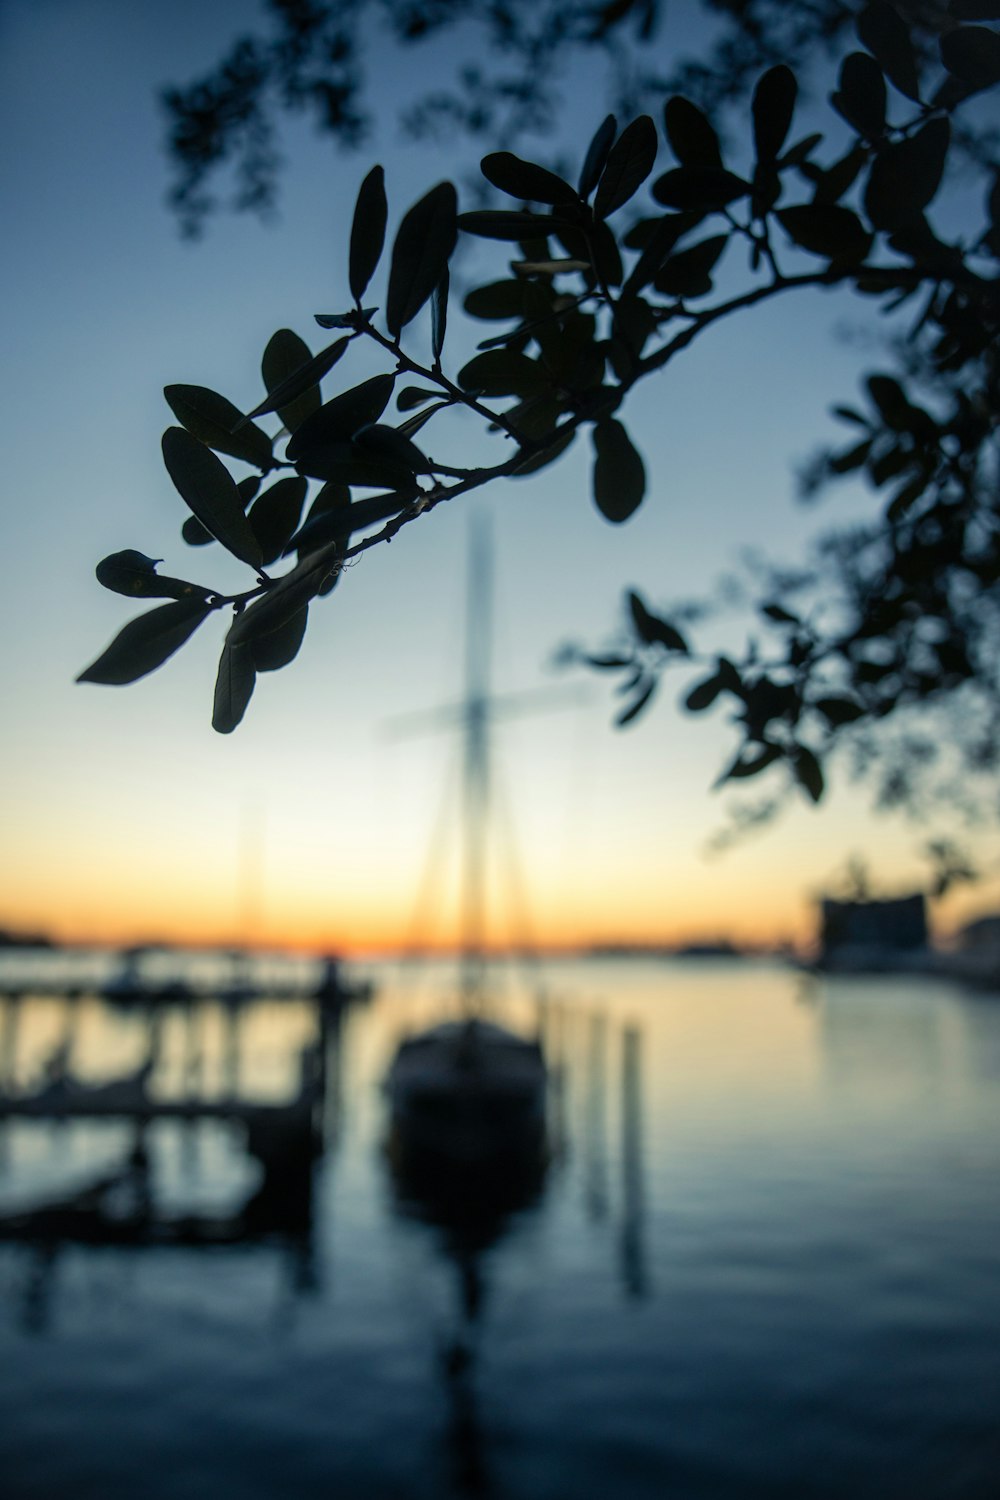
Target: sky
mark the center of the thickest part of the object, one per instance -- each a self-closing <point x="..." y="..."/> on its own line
<point x="123" y="816"/>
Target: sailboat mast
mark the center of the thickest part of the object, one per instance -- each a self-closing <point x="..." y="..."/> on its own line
<point x="475" y="762"/>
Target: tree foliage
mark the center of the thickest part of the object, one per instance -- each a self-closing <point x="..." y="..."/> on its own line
<point x="599" y="281"/>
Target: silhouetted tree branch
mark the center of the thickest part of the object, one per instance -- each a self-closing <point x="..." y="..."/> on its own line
<point x="602" y="282"/>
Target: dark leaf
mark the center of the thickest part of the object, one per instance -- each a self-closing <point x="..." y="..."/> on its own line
<point x="275" y="515"/>
<point x="503" y="372"/>
<point x="233" y="687"/>
<point x="607" y="261"/>
<point x="606" y="663"/>
<point x="285" y="598"/>
<point x="906" y="175"/>
<point x="195" y="534"/>
<point x="704" y="693"/>
<point x="972" y="53"/>
<point x="439" y="316"/>
<point x="212" y="419"/>
<point x="547" y="455"/>
<point x="975" y="10"/>
<point x="779" y="614"/>
<point x="247" y="489"/>
<point x="413" y="424"/>
<point x="826" y="229"/>
<point x="861" y="98"/>
<point x="652" y="630"/>
<point x="420" y="255"/>
<point x="691" y="135"/>
<point x="279" y="647"/>
<point x="207" y="487"/>
<point x="850" y="459"/>
<point x="597" y="155"/>
<point x="689" y="272"/>
<point x="353" y="464"/>
<point x="832" y="184"/>
<point x="808" y="772"/>
<point x="619" y="476"/>
<point x="335" y="524"/>
<point x="412" y="395"/>
<point x="338" y="420"/>
<point x="629" y="163"/>
<point x="146" y="642"/>
<point x="750" y="762"/>
<point x="704" y="188"/>
<point x="886" y="35"/>
<point x="367" y="232"/>
<point x="891" y="400"/>
<point x="848" y="414"/>
<point x="297" y="394"/>
<point x="507" y="224"/>
<point x="637" y="705"/>
<point x="500" y="299"/>
<point x="800" y="153"/>
<point x="773" y="107"/>
<point x="839" y="711"/>
<point x="134" y="574"/>
<point x="525" y="180"/>
<point x="344" y="319"/>
<point x="906" y="496"/>
<point x="665" y="233"/>
<point x="387" y="442"/>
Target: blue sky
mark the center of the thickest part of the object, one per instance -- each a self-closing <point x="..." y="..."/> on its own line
<point x="123" y="813"/>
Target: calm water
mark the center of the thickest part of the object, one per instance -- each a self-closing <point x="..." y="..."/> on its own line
<point x="770" y="1268"/>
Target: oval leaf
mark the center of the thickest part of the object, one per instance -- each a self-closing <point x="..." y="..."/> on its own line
<point x="234" y="687"/>
<point x="367" y="232"/>
<point x="498" y="300"/>
<point x="524" y="179"/>
<point x="295" y="395"/>
<point x="691" y="135"/>
<point x="861" y="98"/>
<point x="133" y="574"/>
<point x="773" y="107"/>
<point x="808" y="772"/>
<point x="652" y="630"/>
<point x="279" y="647"/>
<point x="503" y="372"/>
<point x="146" y="642"/>
<point x="906" y="175"/>
<point x="208" y="489"/>
<point x="883" y="31"/>
<point x="699" y="188"/>
<point x="194" y="533"/>
<point x="597" y="154"/>
<point x="826" y="229"/>
<point x="619" y="476"/>
<point x="420" y="254"/>
<point x="629" y="163"/>
<point x="689" y="272"/>
<point x="285" y="598"/>
<point x="439" y="317"/>
<point x="972" y="53"/>
<point x="274" y="516"/>
<point x="338" y="420"/>
<point x="213" y="420"/>
<point x="507" y="224"/>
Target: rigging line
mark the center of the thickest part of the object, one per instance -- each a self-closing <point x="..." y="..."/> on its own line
<point x="430" y="890"/>
<point x="524" y="942"/>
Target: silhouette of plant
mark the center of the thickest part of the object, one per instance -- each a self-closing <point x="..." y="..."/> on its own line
<point x="593" y="300"/>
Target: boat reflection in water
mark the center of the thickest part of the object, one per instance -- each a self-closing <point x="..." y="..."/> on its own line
<point x="468" y="1156"/>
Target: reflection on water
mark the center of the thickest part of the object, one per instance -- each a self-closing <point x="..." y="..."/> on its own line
<point x="763" y="1258"/>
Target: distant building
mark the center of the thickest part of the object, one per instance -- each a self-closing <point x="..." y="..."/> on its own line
<point x="859" y="935"/>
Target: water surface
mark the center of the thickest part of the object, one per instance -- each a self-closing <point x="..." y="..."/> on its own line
<point x="765" y="1262"/>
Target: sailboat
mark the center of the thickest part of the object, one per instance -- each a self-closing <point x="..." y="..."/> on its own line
<point x="467" y="1097"/>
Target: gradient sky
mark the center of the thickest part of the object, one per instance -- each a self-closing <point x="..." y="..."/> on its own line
<point x="123" y="815"/>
